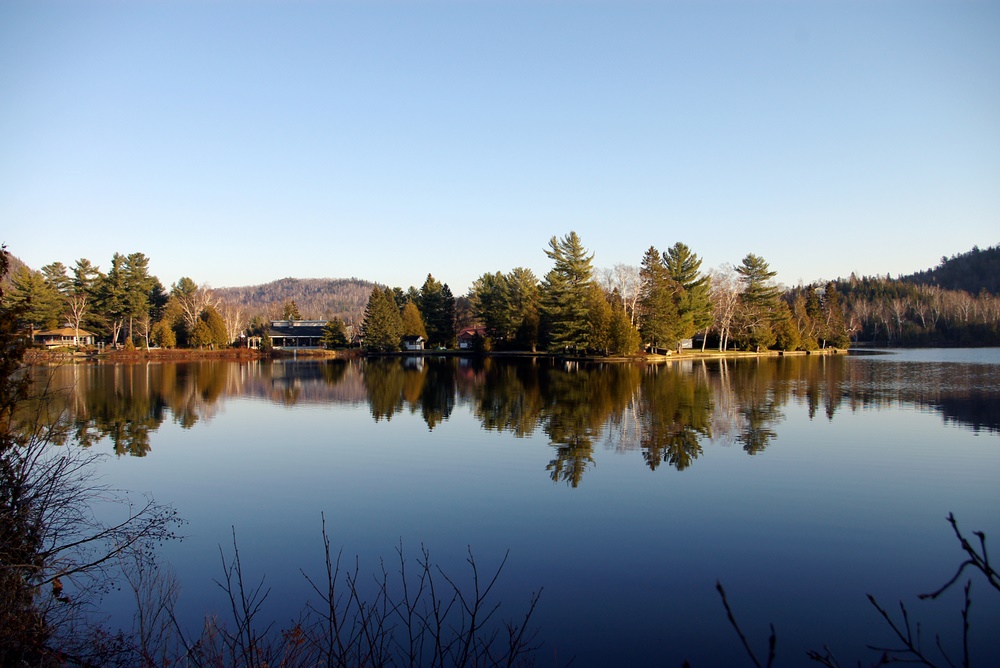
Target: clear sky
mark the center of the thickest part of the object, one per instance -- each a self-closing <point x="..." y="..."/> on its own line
<point x="241" y="142"/>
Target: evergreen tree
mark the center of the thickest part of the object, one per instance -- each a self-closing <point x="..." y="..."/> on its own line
<point x="61" y="286"/>
<point x="523" y="294"/>
<point x="786" y="332"/>
<point x="39" y="304"/>
<point x="413" y="324"/>
<point x="383" y="326"/>
<point x="564" y="293"/>
<point x="334" y="334"/>
<point x="759" y="304"/>
<point x="659" y="324"/>
<point x="624" y="337"/>
<point x="437" y="307"/>
<point x="694" y="304"/>
<point x="210" y="330"/>
<point x="291" y="311"/>
<point x="599" y="320"/>
<point x="491" y="301"/>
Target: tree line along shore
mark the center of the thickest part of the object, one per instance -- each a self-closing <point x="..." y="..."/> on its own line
<point x="664" y="304"/>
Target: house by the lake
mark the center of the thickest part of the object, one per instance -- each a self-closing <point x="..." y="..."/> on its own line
<point x="64" y="337"/>
<point x="296" y="333"/>
<point x="467" y="337"/>
<point x="413" y="343"/>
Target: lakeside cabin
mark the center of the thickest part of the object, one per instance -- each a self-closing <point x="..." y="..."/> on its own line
<point x="413" y="343"/>
<point x="64" y="337"/>
<point x="291" y="334"/>
<point x="467" y="337"/>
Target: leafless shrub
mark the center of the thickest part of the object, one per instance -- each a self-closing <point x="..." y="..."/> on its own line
<point x="418" y="617"/>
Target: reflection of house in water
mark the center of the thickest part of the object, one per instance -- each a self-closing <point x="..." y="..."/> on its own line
<point x="413" y="362"/>
<point x="296" y="333"/>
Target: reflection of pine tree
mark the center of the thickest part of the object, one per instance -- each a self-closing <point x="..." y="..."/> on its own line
<point x="438" y="395"/>
<point x="509" y="399"/>
<point x="571" y="461"/>
<point x="676" y="413"/>
<point x="577" y="406"/>
<point x="384" y="381"/>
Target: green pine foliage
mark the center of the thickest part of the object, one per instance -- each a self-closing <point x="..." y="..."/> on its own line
<point x="437" y="307"/>
<point x="564" y="294"/>
<point x="694" y="300"/>
<point x="382" y="329"/>
<point x="210" y="331"/>
<point x="40" y="304"/>
<point x="760" y="305"/>
<point x="334" y="335"/>
<point x="660" y="325"/>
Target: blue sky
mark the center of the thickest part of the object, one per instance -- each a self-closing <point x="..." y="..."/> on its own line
<point x="241" y="142"/>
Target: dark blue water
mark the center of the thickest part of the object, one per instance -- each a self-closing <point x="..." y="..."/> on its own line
<point x="625" y="492"/>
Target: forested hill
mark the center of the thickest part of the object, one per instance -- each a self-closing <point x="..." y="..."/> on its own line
<point x="973" y="272"/>
<point x="15" y="264"/>
<point x="316" y="298"/>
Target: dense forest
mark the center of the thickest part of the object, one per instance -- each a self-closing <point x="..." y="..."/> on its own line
<point x="973" y="272"/>
<point x="623" y="310"/>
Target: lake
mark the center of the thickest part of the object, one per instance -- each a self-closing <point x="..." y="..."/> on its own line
<point x="624" y="492"/>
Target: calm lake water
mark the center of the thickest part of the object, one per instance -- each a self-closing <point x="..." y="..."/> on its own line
<point x="625" y="492"/>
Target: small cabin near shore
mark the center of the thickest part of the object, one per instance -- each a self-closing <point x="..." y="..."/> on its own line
<point x="467" y="337"/>
<point x="413" y="343"/>
<point x="64" y="337"/>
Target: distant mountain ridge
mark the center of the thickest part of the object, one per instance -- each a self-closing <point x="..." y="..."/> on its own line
<point x="973" y="271"/>
<point x="316" y="298"/>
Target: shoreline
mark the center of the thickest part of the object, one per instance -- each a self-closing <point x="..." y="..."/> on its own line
<point x="37" y="356"/>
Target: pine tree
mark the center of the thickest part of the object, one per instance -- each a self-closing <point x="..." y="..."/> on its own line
<point x="291" y="311"/>
<point x="564" y="293"/>
<point x="759" y="304"/>
<point x="623" y="334"/>
<point x="659" y="324"/>
<point x="694" y="304"/>
<point x="334" y="334"/>
<point x="383" y="326"/>
<point x="599" y="320"/>
<point x="437" y="307"/>
<point x="39" y="302"/>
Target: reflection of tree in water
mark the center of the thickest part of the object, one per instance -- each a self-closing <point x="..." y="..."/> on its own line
<point x="577" y="404"/>
<point x="437" y="396"/>
<point x="508" y="398"/>
<point x="126" y="403"/>
<point x="384" y="384"/>
<point x="675" y="413"/>
<point x="759" y="393"/>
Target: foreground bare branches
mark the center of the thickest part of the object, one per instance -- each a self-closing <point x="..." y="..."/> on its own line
<point x="909" y="640"/>
<point x="409" y="617"/>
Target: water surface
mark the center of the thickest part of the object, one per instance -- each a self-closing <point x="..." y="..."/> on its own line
<point x="625" y="491"/>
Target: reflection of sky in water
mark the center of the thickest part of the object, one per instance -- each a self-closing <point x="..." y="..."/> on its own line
<point x="798" y="533"/>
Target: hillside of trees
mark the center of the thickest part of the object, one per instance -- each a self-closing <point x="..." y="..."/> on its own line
<point x="316" y="298"/>
<point x="973" y="272"/>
